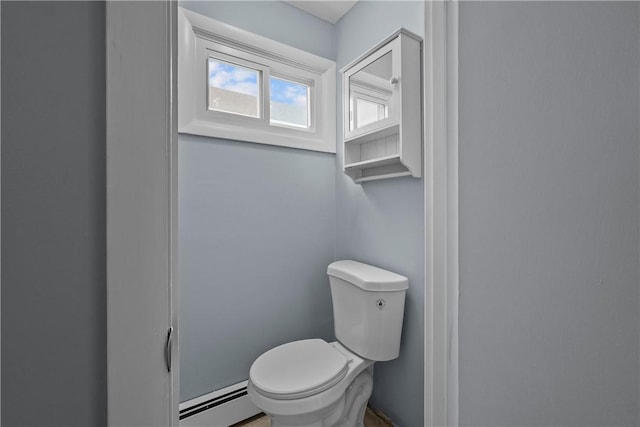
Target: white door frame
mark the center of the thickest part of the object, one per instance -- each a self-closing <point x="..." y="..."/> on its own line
<point x="441" y="214"/>
<point x="141" y="213"/>
<point x="142" y="299"/>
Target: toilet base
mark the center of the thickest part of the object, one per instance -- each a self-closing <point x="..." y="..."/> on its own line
<point x="347" y="411"/>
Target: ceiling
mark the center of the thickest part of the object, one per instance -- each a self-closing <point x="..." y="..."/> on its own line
<point x="330" y="11"/>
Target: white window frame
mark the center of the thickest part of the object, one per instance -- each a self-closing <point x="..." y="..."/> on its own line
<point x="201" y="37"/>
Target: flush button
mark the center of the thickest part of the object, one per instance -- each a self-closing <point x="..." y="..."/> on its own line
<point x="380" y="303"/>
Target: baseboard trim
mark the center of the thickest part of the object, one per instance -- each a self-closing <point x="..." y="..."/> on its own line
<point x="222" y="407"/>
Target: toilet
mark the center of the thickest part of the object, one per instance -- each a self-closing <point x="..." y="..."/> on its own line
<point x="315" y="383"/>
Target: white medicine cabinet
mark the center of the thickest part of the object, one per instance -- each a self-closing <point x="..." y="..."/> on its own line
<point x="382" y="110"/>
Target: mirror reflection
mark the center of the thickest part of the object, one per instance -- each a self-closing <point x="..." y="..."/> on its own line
<point x="370" y="93"/>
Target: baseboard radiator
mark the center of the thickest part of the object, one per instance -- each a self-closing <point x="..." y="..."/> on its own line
<point x="222" y="407"/>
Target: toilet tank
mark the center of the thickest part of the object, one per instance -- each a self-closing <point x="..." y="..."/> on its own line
<point x="368" y="307"/>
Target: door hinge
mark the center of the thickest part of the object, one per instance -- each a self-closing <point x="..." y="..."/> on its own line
<point x="167" y="349"/>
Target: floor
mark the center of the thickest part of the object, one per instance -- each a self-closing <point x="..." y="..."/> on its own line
<point x="372" y="418"/>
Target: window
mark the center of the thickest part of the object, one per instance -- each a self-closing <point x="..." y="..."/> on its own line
<point x="289" y="103"/>
<point x="237" y="85"/>
<point x="233" y="88"/>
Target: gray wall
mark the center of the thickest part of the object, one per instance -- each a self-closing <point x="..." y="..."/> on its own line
<point x="549" y="215"/>
<point x="53" y="214"/>
<point x="256" y="230"/>
<point x="382" y="222"/>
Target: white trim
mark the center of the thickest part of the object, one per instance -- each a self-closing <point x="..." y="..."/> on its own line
<point x="0" y="224"/>
<point x="174" y="284"/>
<point x="441" y="214"/>
<point x="453" y="225"/>
<point x="141" y="185"/>
<point x="200" y="36"/>
<point x="231" y="412"/>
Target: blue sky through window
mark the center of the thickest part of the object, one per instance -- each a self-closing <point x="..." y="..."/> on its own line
<point x="286" y="92"/>
<point x="289" y="102"/>
<point x="233" y="88"/>
<point x="233" y="77"/>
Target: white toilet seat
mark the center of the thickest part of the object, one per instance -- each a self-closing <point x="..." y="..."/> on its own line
<point x="298" y="369"/>
<point x="319" y="401"/>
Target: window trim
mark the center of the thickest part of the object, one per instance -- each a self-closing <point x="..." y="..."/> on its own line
<point x="199" y="36"/>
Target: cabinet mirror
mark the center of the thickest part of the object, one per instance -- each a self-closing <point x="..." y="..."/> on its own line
<point x="370" y="91"/>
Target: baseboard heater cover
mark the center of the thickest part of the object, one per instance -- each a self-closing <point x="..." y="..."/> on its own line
<point x="220" y="408"/>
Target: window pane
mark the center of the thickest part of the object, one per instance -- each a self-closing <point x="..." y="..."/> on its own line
<point x="289" y="103"/>
<point x="233" y="89"/>
<point x="369" y="112"/>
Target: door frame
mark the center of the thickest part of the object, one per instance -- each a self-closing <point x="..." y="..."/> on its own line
<point x="142" y="213"/>
<point x="441" y="214"/>
<point x="142" y="296"/>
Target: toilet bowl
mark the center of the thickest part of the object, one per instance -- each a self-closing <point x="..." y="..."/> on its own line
<point x="313" y="383"/>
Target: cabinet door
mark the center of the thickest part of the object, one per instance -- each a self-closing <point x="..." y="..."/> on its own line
<point x="371" y="98"/>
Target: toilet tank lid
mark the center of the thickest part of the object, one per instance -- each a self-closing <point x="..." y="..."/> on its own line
<point x="367" y="277"/>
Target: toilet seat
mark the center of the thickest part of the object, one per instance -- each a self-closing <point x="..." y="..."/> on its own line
<point x="298" y="369"/>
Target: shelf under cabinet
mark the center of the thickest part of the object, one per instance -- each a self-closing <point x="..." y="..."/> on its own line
<point x="374" y="134"/>
<point x="382" y="176"/>
<point x="379" y="168"/>
<point x="380" y="161"/>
